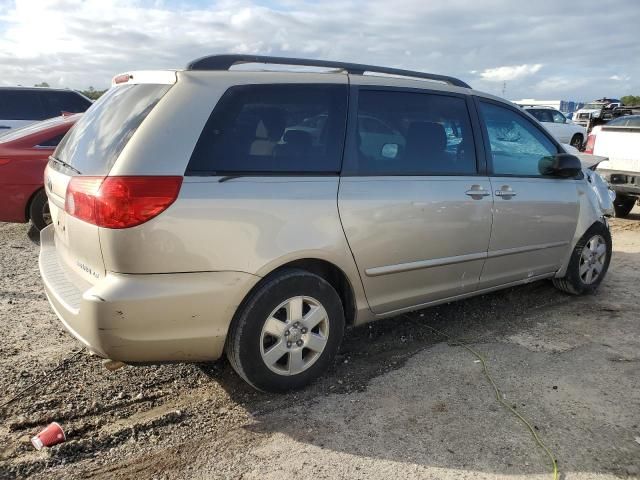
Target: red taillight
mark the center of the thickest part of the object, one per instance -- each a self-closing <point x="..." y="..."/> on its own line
<point x="120" y="202"/>
<point x="591" y="143"/>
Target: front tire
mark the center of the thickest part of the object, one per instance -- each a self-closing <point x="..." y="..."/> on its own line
<point x="589" y="262"/>
<point x="287" y="332"/>
<point x="623" y="205"/>
<point x="39" y="210"/>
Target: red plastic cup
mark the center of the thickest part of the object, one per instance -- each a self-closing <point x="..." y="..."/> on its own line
<point x="50" y="436"/>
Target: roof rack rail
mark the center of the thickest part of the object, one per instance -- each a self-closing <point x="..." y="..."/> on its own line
<point x="225" y="62"/>
<point x="533" y="105"/>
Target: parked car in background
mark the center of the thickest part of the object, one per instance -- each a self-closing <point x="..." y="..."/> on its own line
<point x="596" y="112"/>
<point x="619" y="140"/>
<point x="20" y="106"/>
<point x="191" y="217"/>
<point x="564" y="131"/>
<point x="24" y="153"/>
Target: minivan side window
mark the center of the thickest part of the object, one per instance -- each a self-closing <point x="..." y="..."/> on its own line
<point x="274" y="128"/>
<point x="58" y="102"/>
<point x="517" y="146"/>
<point x="21" y="105"/>
<point x="409" y="133"/>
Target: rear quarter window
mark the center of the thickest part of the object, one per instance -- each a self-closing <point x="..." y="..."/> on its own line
<point x="96" y="140"/>
<point x="273" y="129"/>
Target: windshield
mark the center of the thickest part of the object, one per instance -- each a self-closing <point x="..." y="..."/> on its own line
<point x="593" y="106"/>
<point x="17" y="133"/>
<point x="93" y="146"/>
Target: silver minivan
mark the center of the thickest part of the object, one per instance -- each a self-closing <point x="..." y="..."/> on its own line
<point x="259" y="213"/>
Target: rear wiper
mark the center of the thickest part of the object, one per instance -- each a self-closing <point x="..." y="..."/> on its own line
<point x="65" y="165"/>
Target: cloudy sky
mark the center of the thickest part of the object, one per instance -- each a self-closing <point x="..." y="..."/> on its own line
<point x="544" y="49"/>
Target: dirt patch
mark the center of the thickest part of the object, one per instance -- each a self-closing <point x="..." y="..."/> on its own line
<point x="398" y="401"/>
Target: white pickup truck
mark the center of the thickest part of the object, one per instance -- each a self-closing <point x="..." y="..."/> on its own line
<point x="619" y="141"/>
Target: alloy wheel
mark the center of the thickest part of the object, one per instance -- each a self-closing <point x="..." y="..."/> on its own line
<point x="592" y="259"/>
<point x="294" y="335"/>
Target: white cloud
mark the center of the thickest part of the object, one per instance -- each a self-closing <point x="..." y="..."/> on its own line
<point x="501" y="74"/>
<point x="78" y="43"/>
<point x="620" y="78"/>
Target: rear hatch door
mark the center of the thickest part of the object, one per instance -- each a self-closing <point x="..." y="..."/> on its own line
<point x="90" y="150"/>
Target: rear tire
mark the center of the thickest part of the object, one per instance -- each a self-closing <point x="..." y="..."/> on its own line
<point x="287" y="332"/>
<point x="589" y="262"/>
<point x="39" y="210"/>
<point x="576" y="141"/>
<point x="623" y="205"/>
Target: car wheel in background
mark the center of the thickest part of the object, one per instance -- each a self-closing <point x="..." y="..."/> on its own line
<point x="589" y="262"/>
<point x="623" y="205"/>
<point x="287" y="332"/>
<point x="576" y="141"/>
<point x="39" y="210"/>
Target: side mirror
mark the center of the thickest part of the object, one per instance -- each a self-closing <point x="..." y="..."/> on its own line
<point x="562" y="165"/>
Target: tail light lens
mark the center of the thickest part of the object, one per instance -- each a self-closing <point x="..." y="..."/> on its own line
<point x="591" y="143"/>
<point x="120" y="202"/>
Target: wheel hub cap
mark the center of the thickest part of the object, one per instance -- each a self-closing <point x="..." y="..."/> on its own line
<point x="593" y="259"/>
<point x="294" y="335"/>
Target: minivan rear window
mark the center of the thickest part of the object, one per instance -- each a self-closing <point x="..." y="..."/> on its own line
<point x="95" y="142"/>
<point x="274" y="129"/>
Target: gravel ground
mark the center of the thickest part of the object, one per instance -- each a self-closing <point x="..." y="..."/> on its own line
<point x="399" y="401"/>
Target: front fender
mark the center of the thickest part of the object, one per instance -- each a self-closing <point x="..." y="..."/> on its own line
<point x="590" y="211"/>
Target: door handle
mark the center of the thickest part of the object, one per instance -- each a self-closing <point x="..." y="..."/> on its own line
<point x="477" y="192"/>
<point x="505" y="192"/>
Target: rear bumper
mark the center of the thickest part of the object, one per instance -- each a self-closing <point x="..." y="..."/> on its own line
<point x="145" y="318"/>
<point x="624" y="183"/>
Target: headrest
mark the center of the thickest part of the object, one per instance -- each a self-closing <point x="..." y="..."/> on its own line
<point x="429" y="134"/>
<point x="298" y="137"/>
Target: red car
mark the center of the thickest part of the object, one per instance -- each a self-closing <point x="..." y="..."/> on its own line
<point x="24" y="153"/>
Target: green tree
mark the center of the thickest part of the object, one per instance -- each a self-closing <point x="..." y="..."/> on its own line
<point x="630" y="100"/>
<point x="92" y="93"/>
<point x="42" y="84"/>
